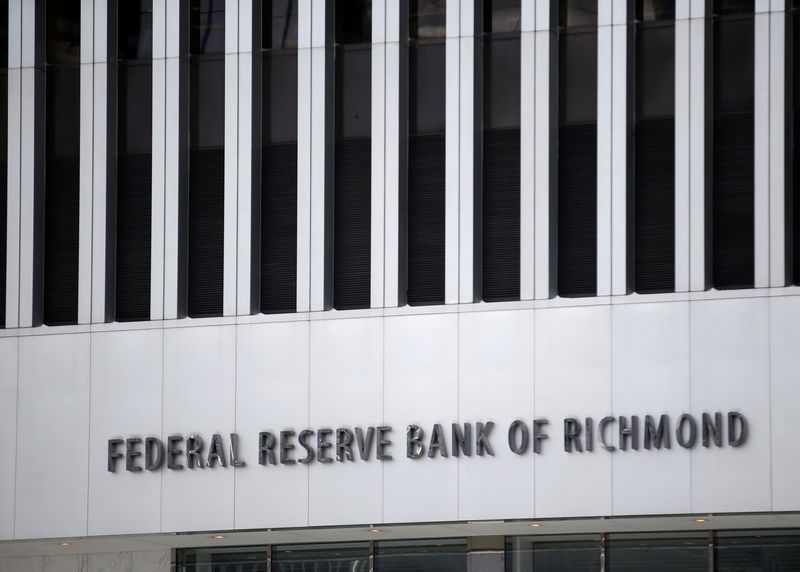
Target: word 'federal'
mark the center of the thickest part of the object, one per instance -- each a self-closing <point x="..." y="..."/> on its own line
<point x="325" y="445"/>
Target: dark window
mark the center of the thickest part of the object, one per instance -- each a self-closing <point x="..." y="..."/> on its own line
<point x="654" y="148"/>
<point x="578" y="554"/>
<point x="245" y="559"/>
<point x="421" y="556"/>
<point x="500" y="263"/>
<point x="425" y="192"/>
<point x="794" y="173"/>
<point x="62" y="193"/>
<point x="733" y="144"/>
<point x="206" y="197"/>
<point x="352" y="200"/>
<point x="657" y="552"/>
<point x="278" y="211"/>
<point x="312" y="558"/>
<point x="765" y="551"/>
<point x="134" y="159"/>
<point x="577" y="148"/>
<point x="3" y="154"/>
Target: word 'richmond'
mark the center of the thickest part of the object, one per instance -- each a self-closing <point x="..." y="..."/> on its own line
<point x="325" y="445"/>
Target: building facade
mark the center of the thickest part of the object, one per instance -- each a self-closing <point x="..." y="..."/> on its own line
<point x="399" y="285"/>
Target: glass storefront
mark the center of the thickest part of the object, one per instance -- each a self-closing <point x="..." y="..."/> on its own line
<point x="728" y="551"/>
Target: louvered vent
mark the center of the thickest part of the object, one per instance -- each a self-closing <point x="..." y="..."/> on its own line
<point x="426" y="214"/>
<point x="352" y="205"/>
<point x="279" y="228"/>
<point x="654" y="206"/>
<point x="733" y="201"/>
<point x="206" y="232"/>
<point x="501" y="215"/>
<point x="134" y="197"/>
<point x="577" y="210"/>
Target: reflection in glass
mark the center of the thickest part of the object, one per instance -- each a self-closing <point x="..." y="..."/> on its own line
<point x="792" y="45"/>
<point x="578" y="13"/>
<point x="249" y="559"/>
<point x="135" y="29"/>
<point x="207" y="27"/>
<point x="764" y="551"/>
<point x="657" y="552"/>
<point x="654" y="10"/>
<point x="421" y="556"/>
<point x="353" y="21"/>
<point x="279" y="23"/>
<point x="63" y="32"/>
<point x="315" y="558"/>
<point x="427" y="19"/>
<point x="547" y="554"/>
<point x="501" y="16"/>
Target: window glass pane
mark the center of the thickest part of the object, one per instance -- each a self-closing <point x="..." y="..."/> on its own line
<point x="426" y="88"/>
<point x="207" y="27"/>
<point x="4" y="33"/>
<point x="734" y="65"/>
<point x="655" y="71"/>
<point x="353" y="91"/>
<point x="135" y="108"/>
<point x="501" y="83"/>
<point x="576" y="13"/>
<point x="501" y="16"/>
<point x="207" y="108"/>
<point x="722" y="7"/>
<point x="578" y="78"/>
<point x="765" y="551"/>
<point x="421" y="556"/>
<point x="427" y="19"/>
<point x="328" y="557"/>
<point x="529" y="554"/>
<point x="631" y="553"/>
<point x="353" y="21"/>
<point x="63" y="32"/>
<point x="279" y="24"/>
<point x="654" y="10"/>
<point x="135" y="29"/>
<point x="250" y="559"/>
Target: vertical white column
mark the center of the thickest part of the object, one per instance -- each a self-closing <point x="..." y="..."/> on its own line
<point x="28" y="166"/>
<point x="527" y="171"/>
<point x="619" y="150"/>
<point x="699" y="267"/>
<point x="378" y="160"/>
<point x="231" y="187"/>
<point x="391" y="245"/>
<point x="159" y="165"/>
<point x="761" y="155"/>
<point x="604" y="145"/>
<point x="545" y="121"/>
<point x="683" y="56"/>
<point x="11" y="317"/>
<point x="86" y="162"/>
<point x="469" y="275"/>
<point x="319" y="150"/>
<point x="172" y="155"/>
<point x="99" y="164"/>
<point x="777" y="145"/>
<point x="244" y="270"/>
<point x="304" y="156"/>
<point x="452" y="144"/>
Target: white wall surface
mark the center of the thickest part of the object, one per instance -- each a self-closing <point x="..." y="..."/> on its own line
<point x="151" y="561"/>
<point x="477" y="363"/>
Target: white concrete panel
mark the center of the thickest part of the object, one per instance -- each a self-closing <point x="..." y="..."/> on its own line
<point x="99" y="194"/>
<point x="53" y="396"/>
<point x="604" y="148"/>
<point x="27" y="207"/>
<point x="761" y="6"/>
<point x="125" y="402"/>
<point x="466" y="178"/>
<point x="378" y="165"/>
<point x="761" y="214"/>
<point x="151" y="561"/>
<point x="87" y="31"/>
<point x="698" y="8"/>
<point x="28" y="40"/>
<point x="572" y="378"/>
<point x="698" y="271"/>
<point x="682" y="150"/>
<point x="100" y="31"/>
<point x="304" y="23"/>
<point x="619" y="153"/>
<point x="345" y="391"/>
<point x="231" y="26"/>
<point x="199" y="398"/>
<point x="110" y="562"/>
<point x="86" y="189"/>
<point x="467" y="17"/>
<point x="30" y="564"/>
<point x="173" y="27"/>
<point x="527" y="182"/>
<point x="12" y="206"/>
<point x="318" y="27"/>
<point x="777" y="149"/>
<point x="159" y="30"/>
<point x="784" y="365"/>
<point x="451" y="167"/>
<point x="271" y="394"/>
<point x="421" y="387"/>
<point x="65" y="563"/>
<point x="318" y="191"/>
<point x="172" y="177"/>
<point x="245" y="194"/>
<point x="452" y="18"/>
<point x="543" y="14"/>
<point x="391" y="253"/>
<point x="651" y="377"/>
<point x="392" y="22"/>
<point x="8" y="428"/>
<point x="730" y="372"/>
<point x="378" y="22"/>
<point x="528" y="16"/>
<point x="496" y="351"/>
<point x="605" y="13"/>
<point x="158" y="182"/>
<point x="246" y="25"/>
<point x="682" y="9"/>
<point x="231" y="176"/>
<point x="543" y="163"/>
<point x="14" y="33"/>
